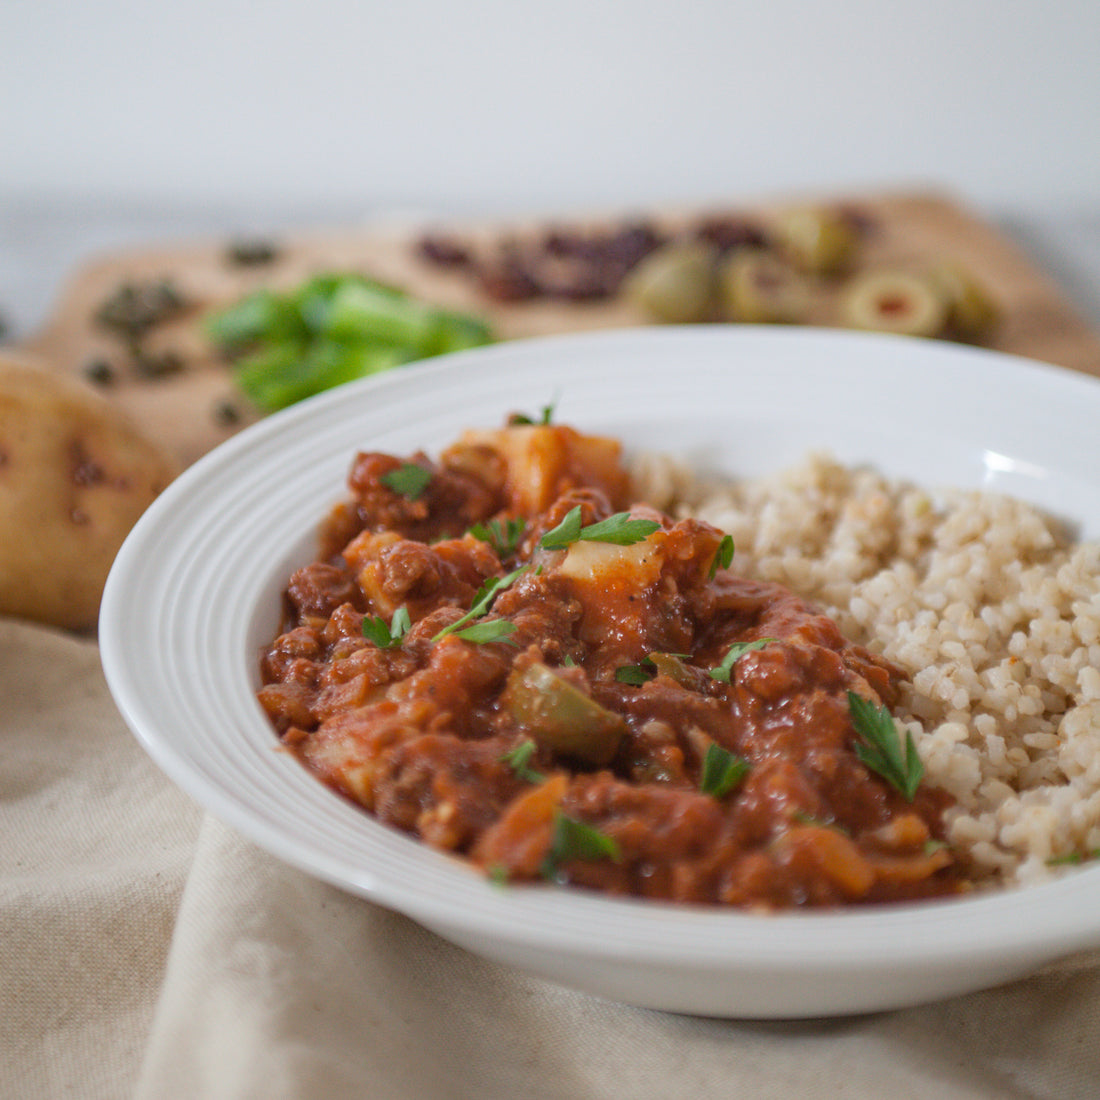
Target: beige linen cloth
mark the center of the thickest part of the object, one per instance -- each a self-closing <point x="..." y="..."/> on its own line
<point x="148" y="952"/>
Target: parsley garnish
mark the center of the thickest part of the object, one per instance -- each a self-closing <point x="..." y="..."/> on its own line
<point x="491" y="630"/>
<point x="1072" y="858"/>
<point x="619" y="529"/>
<point x="880" y="746"/>
<point x="722" y="771"/>
<point x="566" y="532"/>
<point x="723" y="558"/>
<point x="408" y="480"/>
<point x="482" y="601"/>
<point x="387" y="637"/>
<point x="518" y="759"/>
<point x="574" y="839"/>
<point x="503" y="537"/>
<point x="724" y="671"/>
<point x="636" y="674"/>
<point x="546" y="417"/>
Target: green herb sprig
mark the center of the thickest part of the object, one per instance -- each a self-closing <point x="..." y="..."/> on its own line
<point x="618" y="529"/>
<point x="387" y="635"/>
<point x="573" y="839"/>
<point x="499" y="875"/>
<point x="636" y="674"/>
<point x="408" y="480"/>
<point x="491" y="630"/>
<point x="880" y="746"/>
<point x="723" y="558"/>
<point x="482" y="602"/>
<point x="519" y="758"/>
<point x="502" y="535"/>
<point x="724" y="671"/>
<point x="546" y="416"/>
<point x="1071" y="859"/>
<point x="722" y="771"/>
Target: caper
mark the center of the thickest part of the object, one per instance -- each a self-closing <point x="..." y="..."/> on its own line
<point x="251" y="252"/>
<point x="99" y="371"/>
<point x="157" y="365"/>
<point x="675" y="284"/>
<point x="136" y="307"/>
<point x="756" y="287"/>
<point x="902" y="302"/>
<point x="226" y="413"/>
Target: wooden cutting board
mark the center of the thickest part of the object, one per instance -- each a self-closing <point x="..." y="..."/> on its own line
<point x="187" y="410"/>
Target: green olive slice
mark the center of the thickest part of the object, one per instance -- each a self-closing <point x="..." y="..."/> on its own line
<point x="900" y="302"/>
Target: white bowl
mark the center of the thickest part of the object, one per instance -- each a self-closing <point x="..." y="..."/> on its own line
<point x="195" y="593"/>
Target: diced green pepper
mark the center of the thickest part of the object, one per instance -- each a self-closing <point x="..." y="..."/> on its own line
<point x="560" y="716"/>
<point x="332" y="328"/>
<point x="671" y="665"/>
<point x="363" y="311"/>
<point x="263" y="315"/>
<point x="288" y="373"/>
<point x="456" y="332"/>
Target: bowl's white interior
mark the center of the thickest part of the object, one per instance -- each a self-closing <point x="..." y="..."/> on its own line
<point x="195" y="592"/>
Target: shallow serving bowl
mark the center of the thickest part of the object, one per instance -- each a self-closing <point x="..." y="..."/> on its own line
<point x="195" y="593"/>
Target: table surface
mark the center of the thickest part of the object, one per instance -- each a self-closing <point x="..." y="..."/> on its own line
<point x="196" y="915"/>
<point x="42" y="244"/>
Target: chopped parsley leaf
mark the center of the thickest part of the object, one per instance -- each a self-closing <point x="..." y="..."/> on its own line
<point x="723" y="558"/>
<point x="482" y="602"/>
<point x="618" y="529"/>
<point x="724" y="671"/>
<point x="518" y="759"/>
<point x="387" y="637"/>
<point x="489" y="630"/>
<point x="408" y="480"/>
<point x="722" y="771"/>
<point x="636" y="674"/>
<point x="880" y="746"/>
<point x="574" y="839"/>
<point x="503" y="536"/>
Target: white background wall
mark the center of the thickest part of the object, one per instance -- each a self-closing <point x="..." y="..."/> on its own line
<point x="510" y="105"/>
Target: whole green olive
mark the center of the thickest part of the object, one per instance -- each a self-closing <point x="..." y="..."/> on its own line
<point x="972" y="314"/>
<point x="676" y="283"/>
<point x="816" y="240"/>
<point x="756" y="287"/>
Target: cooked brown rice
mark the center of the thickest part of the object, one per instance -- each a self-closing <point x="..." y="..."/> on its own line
<point x="989" y="605"/>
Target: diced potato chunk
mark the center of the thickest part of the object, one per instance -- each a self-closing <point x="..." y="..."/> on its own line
<point x="542" y="461"/>
<point x="605" y="563"/>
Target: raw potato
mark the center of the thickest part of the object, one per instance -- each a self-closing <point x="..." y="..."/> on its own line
<point x="75" y="475"/>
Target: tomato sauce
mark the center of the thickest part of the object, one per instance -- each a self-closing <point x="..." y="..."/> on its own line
<point x="626" y="716"/>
